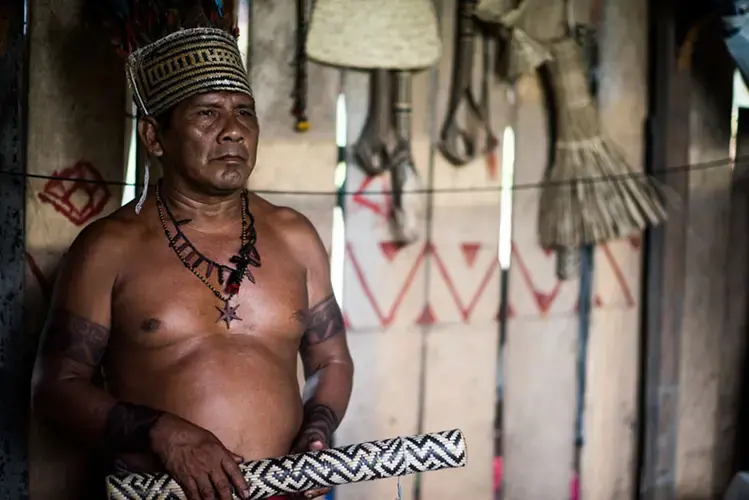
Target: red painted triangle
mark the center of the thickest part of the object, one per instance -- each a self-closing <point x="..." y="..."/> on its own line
<point x="390" y="249"/>
<point x="470" y="250"/>
<point x="548" y="251"/>
<point x="635" y="242"/>
<point x="427" y="316"/>
<point x="510" y="313"/>
<point x="346" y="322"/>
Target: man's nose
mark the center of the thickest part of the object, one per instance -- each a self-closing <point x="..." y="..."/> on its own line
<point x="232" y="131"/>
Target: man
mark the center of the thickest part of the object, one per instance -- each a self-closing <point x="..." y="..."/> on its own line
<point x="196" y="306"/>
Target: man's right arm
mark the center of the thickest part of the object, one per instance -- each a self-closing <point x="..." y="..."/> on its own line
<point x="74" y="342"/>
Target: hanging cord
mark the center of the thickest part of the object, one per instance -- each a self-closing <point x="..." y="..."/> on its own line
<point x="524" y="186"/>
<point x="304" y="9"/>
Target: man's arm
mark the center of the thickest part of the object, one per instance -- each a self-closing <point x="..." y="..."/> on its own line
<point x="74" y="342"/>
<point x="328" y="366"/>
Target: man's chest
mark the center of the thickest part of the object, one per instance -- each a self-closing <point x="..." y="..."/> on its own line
<point x="182" y="290"/>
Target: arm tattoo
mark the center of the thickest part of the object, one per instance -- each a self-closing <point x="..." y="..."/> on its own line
<point x="325" y="321"/>
<point x="320" y="421"/>
<point x="128" y="428"/>
<point x="76" y="338"/>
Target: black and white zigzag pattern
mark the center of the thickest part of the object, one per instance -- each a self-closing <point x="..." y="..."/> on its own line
<point x="317" y="469"/>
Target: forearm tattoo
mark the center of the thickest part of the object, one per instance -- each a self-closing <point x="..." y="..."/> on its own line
<point x="320" y="421"/>
<point x="324" y="321"/>
<point x="76" y="338"/>
<point x="128" y="428"/>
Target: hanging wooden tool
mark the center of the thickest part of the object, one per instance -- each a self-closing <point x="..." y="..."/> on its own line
<point x="377" y="139"/>
<point x="406" y="211"/>
<point x="458" y="143"/>
<point x="299" y="108"/>
<point x="384" y="146"/>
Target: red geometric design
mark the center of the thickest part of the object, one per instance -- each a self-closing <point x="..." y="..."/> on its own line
<point x="470" y="250"/>
<point x="465" y="310"/>
<point x="544" y="299"/>
<point x="510" y="313"/>
<point x="79" y="199"/>
<point x="635" y="241"/>
<point x="618" y="275"/>
<point x="44" y="283"/>
<point x="426" y="317"/>
<point x="385" y="318"/>
<point x="360" y="198"/>
<point x="390" y="249"/>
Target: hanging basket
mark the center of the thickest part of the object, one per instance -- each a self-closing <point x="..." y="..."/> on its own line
<point x="369" y="34"/>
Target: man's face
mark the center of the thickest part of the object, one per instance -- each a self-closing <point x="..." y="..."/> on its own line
<point x="211" y="141"/>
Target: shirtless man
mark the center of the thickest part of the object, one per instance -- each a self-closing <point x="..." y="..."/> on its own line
<point x="201" y="372"/>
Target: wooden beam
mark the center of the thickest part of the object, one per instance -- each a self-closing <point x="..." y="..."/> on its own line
<point x="15" y="349"/>
<point x="664" y="269"/>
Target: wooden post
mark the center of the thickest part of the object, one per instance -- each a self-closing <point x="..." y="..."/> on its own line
<point x="15" y="347"/>
<point x="668" y="142"/>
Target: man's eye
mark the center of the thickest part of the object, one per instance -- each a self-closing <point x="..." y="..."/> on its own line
<point x="205" y="112"/>
<point x="246" y="112"/>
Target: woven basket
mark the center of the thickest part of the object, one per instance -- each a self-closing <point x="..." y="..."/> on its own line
<point x="369" y="34"/>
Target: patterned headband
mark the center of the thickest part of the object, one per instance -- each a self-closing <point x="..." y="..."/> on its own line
<point x="182" y="64"/>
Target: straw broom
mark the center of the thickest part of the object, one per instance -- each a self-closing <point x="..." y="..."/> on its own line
<point x="589" y="195"/>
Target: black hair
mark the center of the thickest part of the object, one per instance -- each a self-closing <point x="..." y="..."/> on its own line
<point x="164" y="119"/>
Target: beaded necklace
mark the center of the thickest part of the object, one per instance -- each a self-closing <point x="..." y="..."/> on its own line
<point x="229" y="278"/>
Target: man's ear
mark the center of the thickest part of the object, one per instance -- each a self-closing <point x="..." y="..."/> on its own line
<point x="148" y="132"/>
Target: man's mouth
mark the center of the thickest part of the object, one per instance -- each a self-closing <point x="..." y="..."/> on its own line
<point x="231" y="158"/>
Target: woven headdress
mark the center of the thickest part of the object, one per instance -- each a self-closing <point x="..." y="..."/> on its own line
<point x="176" y="49"/>
<point x="369" y="34"/>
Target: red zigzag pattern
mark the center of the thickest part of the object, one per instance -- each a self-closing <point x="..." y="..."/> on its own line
<point x="544" y="298"/>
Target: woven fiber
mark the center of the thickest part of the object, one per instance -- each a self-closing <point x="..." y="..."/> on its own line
<point x="182" y="64"/>
<point x="590" y="194"/>
<point x="521" y="54"/>
<point x="317" y="469"/>
<point x="368" y="34"/>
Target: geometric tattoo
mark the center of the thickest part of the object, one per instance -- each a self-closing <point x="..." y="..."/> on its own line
<point x="319" y="424"/>
<point x="324" y="321"/>
<point x="76" y="338"/>
<point x="128" y="428"/>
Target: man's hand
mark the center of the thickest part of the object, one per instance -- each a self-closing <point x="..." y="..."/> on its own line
<point x="197" y="460"/>
<point x="311" y="441"/>
<point x="317" y="432"/>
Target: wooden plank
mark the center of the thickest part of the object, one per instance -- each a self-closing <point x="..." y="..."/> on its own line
<point x="611" y="399"/>
<point x="668" y="143"/>
<point x="463" y="284"/>
<point x="16" y="348"/>
<point x="708" y="216"/>
<point x="541" y="346"/>
<point x="734" y="406"/>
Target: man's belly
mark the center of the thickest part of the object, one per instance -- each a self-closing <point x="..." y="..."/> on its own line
<point x="237" y="388"/>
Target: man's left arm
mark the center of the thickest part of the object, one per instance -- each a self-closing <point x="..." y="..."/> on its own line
<point x="328" y="367"/>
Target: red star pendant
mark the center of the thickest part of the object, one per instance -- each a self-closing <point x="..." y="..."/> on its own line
<point x="228" y="314"/>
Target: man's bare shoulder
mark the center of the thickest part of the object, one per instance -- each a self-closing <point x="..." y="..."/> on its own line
<point x="111" y="235"/>
<point x="288" y="220"/>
